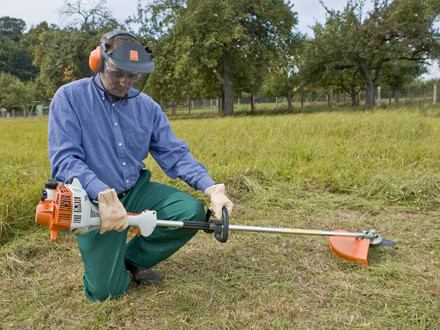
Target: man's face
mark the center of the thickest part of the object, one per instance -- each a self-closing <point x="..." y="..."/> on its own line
<point x="118" y="82"/>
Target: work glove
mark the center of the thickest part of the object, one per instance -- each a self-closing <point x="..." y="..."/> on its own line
<point x="216" y="194"/>
<point x="111" y="211"/>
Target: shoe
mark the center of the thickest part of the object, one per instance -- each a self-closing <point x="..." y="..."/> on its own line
<point x="142" y="275"/>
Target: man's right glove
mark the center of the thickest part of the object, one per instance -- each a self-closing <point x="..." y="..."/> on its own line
<point x="216" y="194"/>
<point x="111" y="211"/>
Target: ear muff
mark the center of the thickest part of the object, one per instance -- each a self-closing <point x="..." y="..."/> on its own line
<point x="95" y="59"/>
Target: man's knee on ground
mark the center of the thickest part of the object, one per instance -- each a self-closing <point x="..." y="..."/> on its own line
<point x="103" y="291"/>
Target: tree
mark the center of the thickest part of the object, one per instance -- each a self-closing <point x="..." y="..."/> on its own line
<point x="62" y="56"/>
<point x="318" y="71"/>
<point x="283" y="77"/>
<point x="15" y="94"/>
<point x="89" y="16"/>
<point x="398" y="74"/>
<point x="214" y="40"/>
<point x="170" y="84"/>
<point x="397" y="30"/>
<point x="15" y="57"/>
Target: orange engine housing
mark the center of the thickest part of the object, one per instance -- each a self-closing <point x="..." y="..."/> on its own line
<point x="56" y="214"/>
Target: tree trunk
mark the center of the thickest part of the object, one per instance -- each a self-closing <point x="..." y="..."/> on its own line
<point x="173" y="108"/>
<point x="253" y="107"/>
<point x="396" y="93"/>
<point x="289" y="100"/>
<point x="302" y="100"/>
<point x="228" y="107"/>
<point x="353" y="95"/>
<point x="330" y="98"/>
<point x="220" y="104"/>
<point x="369" y="93"/>
<point x="365" y="69"/>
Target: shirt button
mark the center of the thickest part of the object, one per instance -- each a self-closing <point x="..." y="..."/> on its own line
<point x="116" y="124"/>
<point x="123" y="163"/>
<point x="120" y="144"/>
<point x="113" y="104"/>
<point x="127" y="181"/>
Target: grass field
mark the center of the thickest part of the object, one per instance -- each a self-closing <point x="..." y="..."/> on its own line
<point x="322" y="170"/>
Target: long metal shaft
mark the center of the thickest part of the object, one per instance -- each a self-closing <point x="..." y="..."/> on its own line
<point x="295" y="231"/>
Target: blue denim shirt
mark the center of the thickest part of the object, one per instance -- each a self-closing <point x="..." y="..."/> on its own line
<point x="104" y="143"/>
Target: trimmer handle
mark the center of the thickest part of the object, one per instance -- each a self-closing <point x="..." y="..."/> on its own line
<point x="219" y="227"/>
<point x="222" y="232"/>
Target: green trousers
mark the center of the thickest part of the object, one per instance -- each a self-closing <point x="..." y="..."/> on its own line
<point x="104" y="256"/>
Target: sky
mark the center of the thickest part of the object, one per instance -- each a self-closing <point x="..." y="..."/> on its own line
<point x="36" y="11"/>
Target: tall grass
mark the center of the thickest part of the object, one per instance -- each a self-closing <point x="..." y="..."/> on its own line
<point x="24" y="169"/>
<point x="390" y="156"/>
<point x="339" y="169"/>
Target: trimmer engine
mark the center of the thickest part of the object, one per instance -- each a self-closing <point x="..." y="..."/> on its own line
<point x="68" y="207"/>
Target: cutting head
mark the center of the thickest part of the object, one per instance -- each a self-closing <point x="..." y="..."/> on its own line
<point x="355" y="249"/>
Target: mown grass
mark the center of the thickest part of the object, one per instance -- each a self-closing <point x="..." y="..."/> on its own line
<point x="351" y="170"/>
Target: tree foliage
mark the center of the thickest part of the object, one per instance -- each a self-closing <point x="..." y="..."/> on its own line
<point x="216" y="45"/>
<point x="283" y="77"/>
<point x="65" y="63"/>
<point x="391" y="32"/>
<point x="16" y="94"/>
<point x="15" y="57"/>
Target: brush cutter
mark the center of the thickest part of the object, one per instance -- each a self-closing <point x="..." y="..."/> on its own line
<point x="68" y="207"/>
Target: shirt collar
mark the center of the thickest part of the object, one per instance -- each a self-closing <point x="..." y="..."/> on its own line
<point x="99" y="87"/>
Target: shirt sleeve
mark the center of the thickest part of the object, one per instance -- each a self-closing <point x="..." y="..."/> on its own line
<point x="174" y="157"/>
<point x="66" y="154"/>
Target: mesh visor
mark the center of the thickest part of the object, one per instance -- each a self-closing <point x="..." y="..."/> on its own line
<point x="131" y="57"/>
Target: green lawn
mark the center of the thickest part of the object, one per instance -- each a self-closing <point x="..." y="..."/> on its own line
<point x="320" y="170"/>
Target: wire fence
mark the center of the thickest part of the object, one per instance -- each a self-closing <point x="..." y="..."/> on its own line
<point x="384" y="98"/>
<point x="37" y="109"/>
<point x="424" y="96"/>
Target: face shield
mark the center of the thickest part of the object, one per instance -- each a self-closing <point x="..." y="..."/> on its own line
<point x="131" y="57"/>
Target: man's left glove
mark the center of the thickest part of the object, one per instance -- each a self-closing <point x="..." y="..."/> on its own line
<point x="111" y="211"/>
<point x="216" y="194"/>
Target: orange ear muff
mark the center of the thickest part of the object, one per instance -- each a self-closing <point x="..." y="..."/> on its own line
<point x="95" y="59"/>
